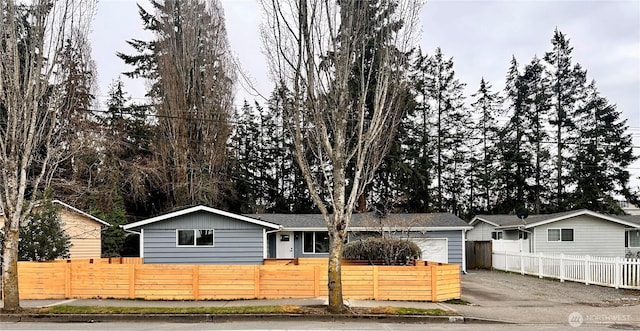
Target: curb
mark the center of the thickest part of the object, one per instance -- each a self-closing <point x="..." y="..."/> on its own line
<point x="215" y="318"/>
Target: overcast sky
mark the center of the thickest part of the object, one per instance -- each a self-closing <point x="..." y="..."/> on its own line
<point x="481" y="36"/>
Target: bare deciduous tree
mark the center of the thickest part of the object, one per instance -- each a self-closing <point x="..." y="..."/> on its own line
<point x="344" y="63"/>
<point x="191" y="70"/>
<point x="32" y="105"/>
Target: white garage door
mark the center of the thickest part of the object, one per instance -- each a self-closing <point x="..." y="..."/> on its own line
<point x="433" y="249"/>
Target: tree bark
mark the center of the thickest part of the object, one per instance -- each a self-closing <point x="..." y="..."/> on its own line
<point x="10" y="292"/>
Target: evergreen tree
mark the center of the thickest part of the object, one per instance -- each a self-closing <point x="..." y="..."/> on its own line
<point x="191" y="73"/>
<point x="537" y="103"/>
<point x="515" y="158"/>
<point x="603" y="153"/>
<point x="488" y="106"/>
<point x="244" y="161"/>
<point x="42" y="237"/>
<point x="449" y="120"/>
<point x="566" y="83"/>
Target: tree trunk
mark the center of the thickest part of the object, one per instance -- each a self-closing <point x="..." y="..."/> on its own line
<point x="10" y="294"/>
<point x="336" y="303"/>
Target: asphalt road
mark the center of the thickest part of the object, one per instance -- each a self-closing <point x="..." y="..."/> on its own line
<point x="279" y="325"/>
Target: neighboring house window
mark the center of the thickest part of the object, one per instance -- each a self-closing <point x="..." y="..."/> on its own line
<point x="634" y="238"/>
<point x="194" y="237"/>
<point x="497" y="235"/>
<point x="523" y="235"/>
<point x="315" y="242"/>
<point x="559" y="234"/>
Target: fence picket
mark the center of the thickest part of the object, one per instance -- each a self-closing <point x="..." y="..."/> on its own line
<point x="606" y="271"/>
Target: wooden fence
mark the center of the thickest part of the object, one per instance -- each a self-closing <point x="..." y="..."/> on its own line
<point x="104" y="260"/>
<point x="423" y="282"/>
<point x="606" y="271"/>
<point x="478" y="254"/>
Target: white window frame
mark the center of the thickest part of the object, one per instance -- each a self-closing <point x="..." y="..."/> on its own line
<point x="629" y="238"/>
<point x="499" y="235"/>
<point x="314" y="242"/>
<point x="195" y="238"/>
<point x="573" y="236"/>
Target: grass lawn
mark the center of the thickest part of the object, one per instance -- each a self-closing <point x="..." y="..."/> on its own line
<point x="292" y="309"/>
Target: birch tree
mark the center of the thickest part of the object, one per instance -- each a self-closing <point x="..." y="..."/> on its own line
<point x="343" y="107"/>
<point x="32" y="103"/>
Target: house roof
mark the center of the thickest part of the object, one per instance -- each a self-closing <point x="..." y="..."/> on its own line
<point x="635" y="219"/>
<point x="76" y="210"/>
<point x="368" y="221"/>
<point x="512" y="221"/>
<point x="198" y="209"/>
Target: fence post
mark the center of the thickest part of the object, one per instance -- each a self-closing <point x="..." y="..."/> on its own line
<point x="434" y="283"/>
<point x="67" y="280"/>
<point x="195" y="281"/>
<point x="316" y="281"/>
<point x="375" y="282"/>
<point x="132" y="281"/>
<point x="256" y="281"/>
<point x="540" y="266"/>
<point x="587" y="271"/>
<point x="617" y="277"/>
<point x="506" y="259"/>
<point x="562" y="268"/>
<point x="521" y="263"/>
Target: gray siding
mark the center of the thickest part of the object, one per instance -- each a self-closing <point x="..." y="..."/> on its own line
<point x="297" y="247"/>
<point x="480" y="232"/>
<point x="231" y="246"/>
<point x="591" y="236"/>
<point x="201" y="220"/>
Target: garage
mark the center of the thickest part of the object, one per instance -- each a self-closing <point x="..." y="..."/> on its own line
<point x="433" y="249"/>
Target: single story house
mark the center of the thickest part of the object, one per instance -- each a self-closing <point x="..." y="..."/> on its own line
<point x="210" y="236"/>
<point x="440" y="236"/>
<point x="84" y="230"/>
<point x="579" y="232"/>
<point x="202" y="235"/>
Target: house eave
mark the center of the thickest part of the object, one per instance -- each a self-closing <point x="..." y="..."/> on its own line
<point x="375" y="229"/>
<point x="580" y="213"/>
<point x="197" y="209"/>
<point x="76" y="210"/>
<point x="480" y="219"/>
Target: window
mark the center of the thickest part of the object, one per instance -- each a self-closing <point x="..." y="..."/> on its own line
<point x="315" y="242"/>
<point x="634" y="238"/>
<point x="497" y="235"/>
<point x="195" y="237"/>
<point x="523" y="235"/>
<point x="559" y="234"/>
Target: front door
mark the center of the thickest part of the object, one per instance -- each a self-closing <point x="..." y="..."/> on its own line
<point x="284" y="245"/>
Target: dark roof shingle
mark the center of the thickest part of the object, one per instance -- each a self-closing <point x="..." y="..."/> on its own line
<point x="430" y="220"/>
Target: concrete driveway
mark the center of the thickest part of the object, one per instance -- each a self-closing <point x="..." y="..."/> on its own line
<point x="496" y="295"/>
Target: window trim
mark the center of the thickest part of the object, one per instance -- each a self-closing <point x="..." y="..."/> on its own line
<point x="195" y="238"/>
<point x="314" y="242"/>
<point x="499" y="235"/>
<point x="560" y="230"/>
<point x="629" y="238"/>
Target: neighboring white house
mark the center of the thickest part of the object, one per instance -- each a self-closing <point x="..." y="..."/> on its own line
<point x="580" y="232"/>
<point x="629" y="208"/>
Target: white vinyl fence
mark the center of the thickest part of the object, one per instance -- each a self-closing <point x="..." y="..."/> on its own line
<point x="606" y="271"/>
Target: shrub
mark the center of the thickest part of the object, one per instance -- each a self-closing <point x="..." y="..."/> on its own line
<point x="390" y="251"/>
